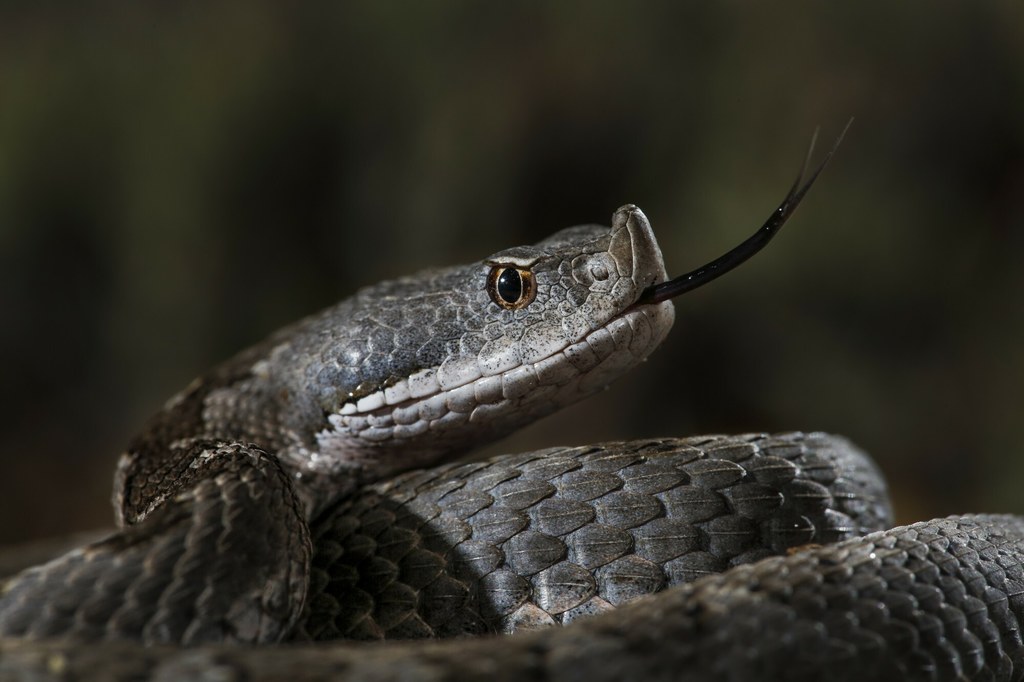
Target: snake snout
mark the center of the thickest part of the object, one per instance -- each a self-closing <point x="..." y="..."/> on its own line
<point x="635" y="246"/>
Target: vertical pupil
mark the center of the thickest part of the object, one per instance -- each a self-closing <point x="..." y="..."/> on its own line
<point x="510" y="285"/>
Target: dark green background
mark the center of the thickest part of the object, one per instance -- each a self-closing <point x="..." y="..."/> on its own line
<point x="178" y="180"/>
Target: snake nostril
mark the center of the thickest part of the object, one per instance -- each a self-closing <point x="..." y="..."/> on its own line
<point x="594" y="270"/>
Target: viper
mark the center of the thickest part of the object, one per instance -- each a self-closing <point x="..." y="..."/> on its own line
<point x="294" y="495"/>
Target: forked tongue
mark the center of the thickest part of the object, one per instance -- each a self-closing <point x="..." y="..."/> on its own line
<point x="656" y="293"/>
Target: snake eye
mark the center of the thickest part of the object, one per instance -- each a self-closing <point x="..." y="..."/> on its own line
<point x="510" y="287"/>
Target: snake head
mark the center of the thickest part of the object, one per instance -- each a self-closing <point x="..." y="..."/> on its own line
<point x="415" y="369"/>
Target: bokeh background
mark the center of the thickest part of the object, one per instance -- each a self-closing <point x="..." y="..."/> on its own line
<point x="177" y="180"/>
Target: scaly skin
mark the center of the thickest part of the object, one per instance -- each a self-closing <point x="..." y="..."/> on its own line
<point x="939" y="600"/>
<point x="510" y="543"/>
<point x="256" y="509"/>
<point x="546" y="537"/>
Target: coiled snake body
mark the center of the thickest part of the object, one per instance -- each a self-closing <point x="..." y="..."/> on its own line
<point x="264" y="505"/>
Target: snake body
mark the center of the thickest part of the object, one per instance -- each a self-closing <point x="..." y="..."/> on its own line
<point x="265" y="505"/>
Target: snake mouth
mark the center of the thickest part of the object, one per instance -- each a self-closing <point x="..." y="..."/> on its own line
<point x="420" y="405"/>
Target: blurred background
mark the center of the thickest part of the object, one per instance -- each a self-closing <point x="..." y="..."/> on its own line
<point x="178" y="180"/>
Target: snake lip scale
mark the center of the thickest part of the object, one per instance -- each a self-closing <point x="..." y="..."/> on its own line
<point x="293" y="495"/>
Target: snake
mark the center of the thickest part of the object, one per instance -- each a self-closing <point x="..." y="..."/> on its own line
<point x="310" y="490"/>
